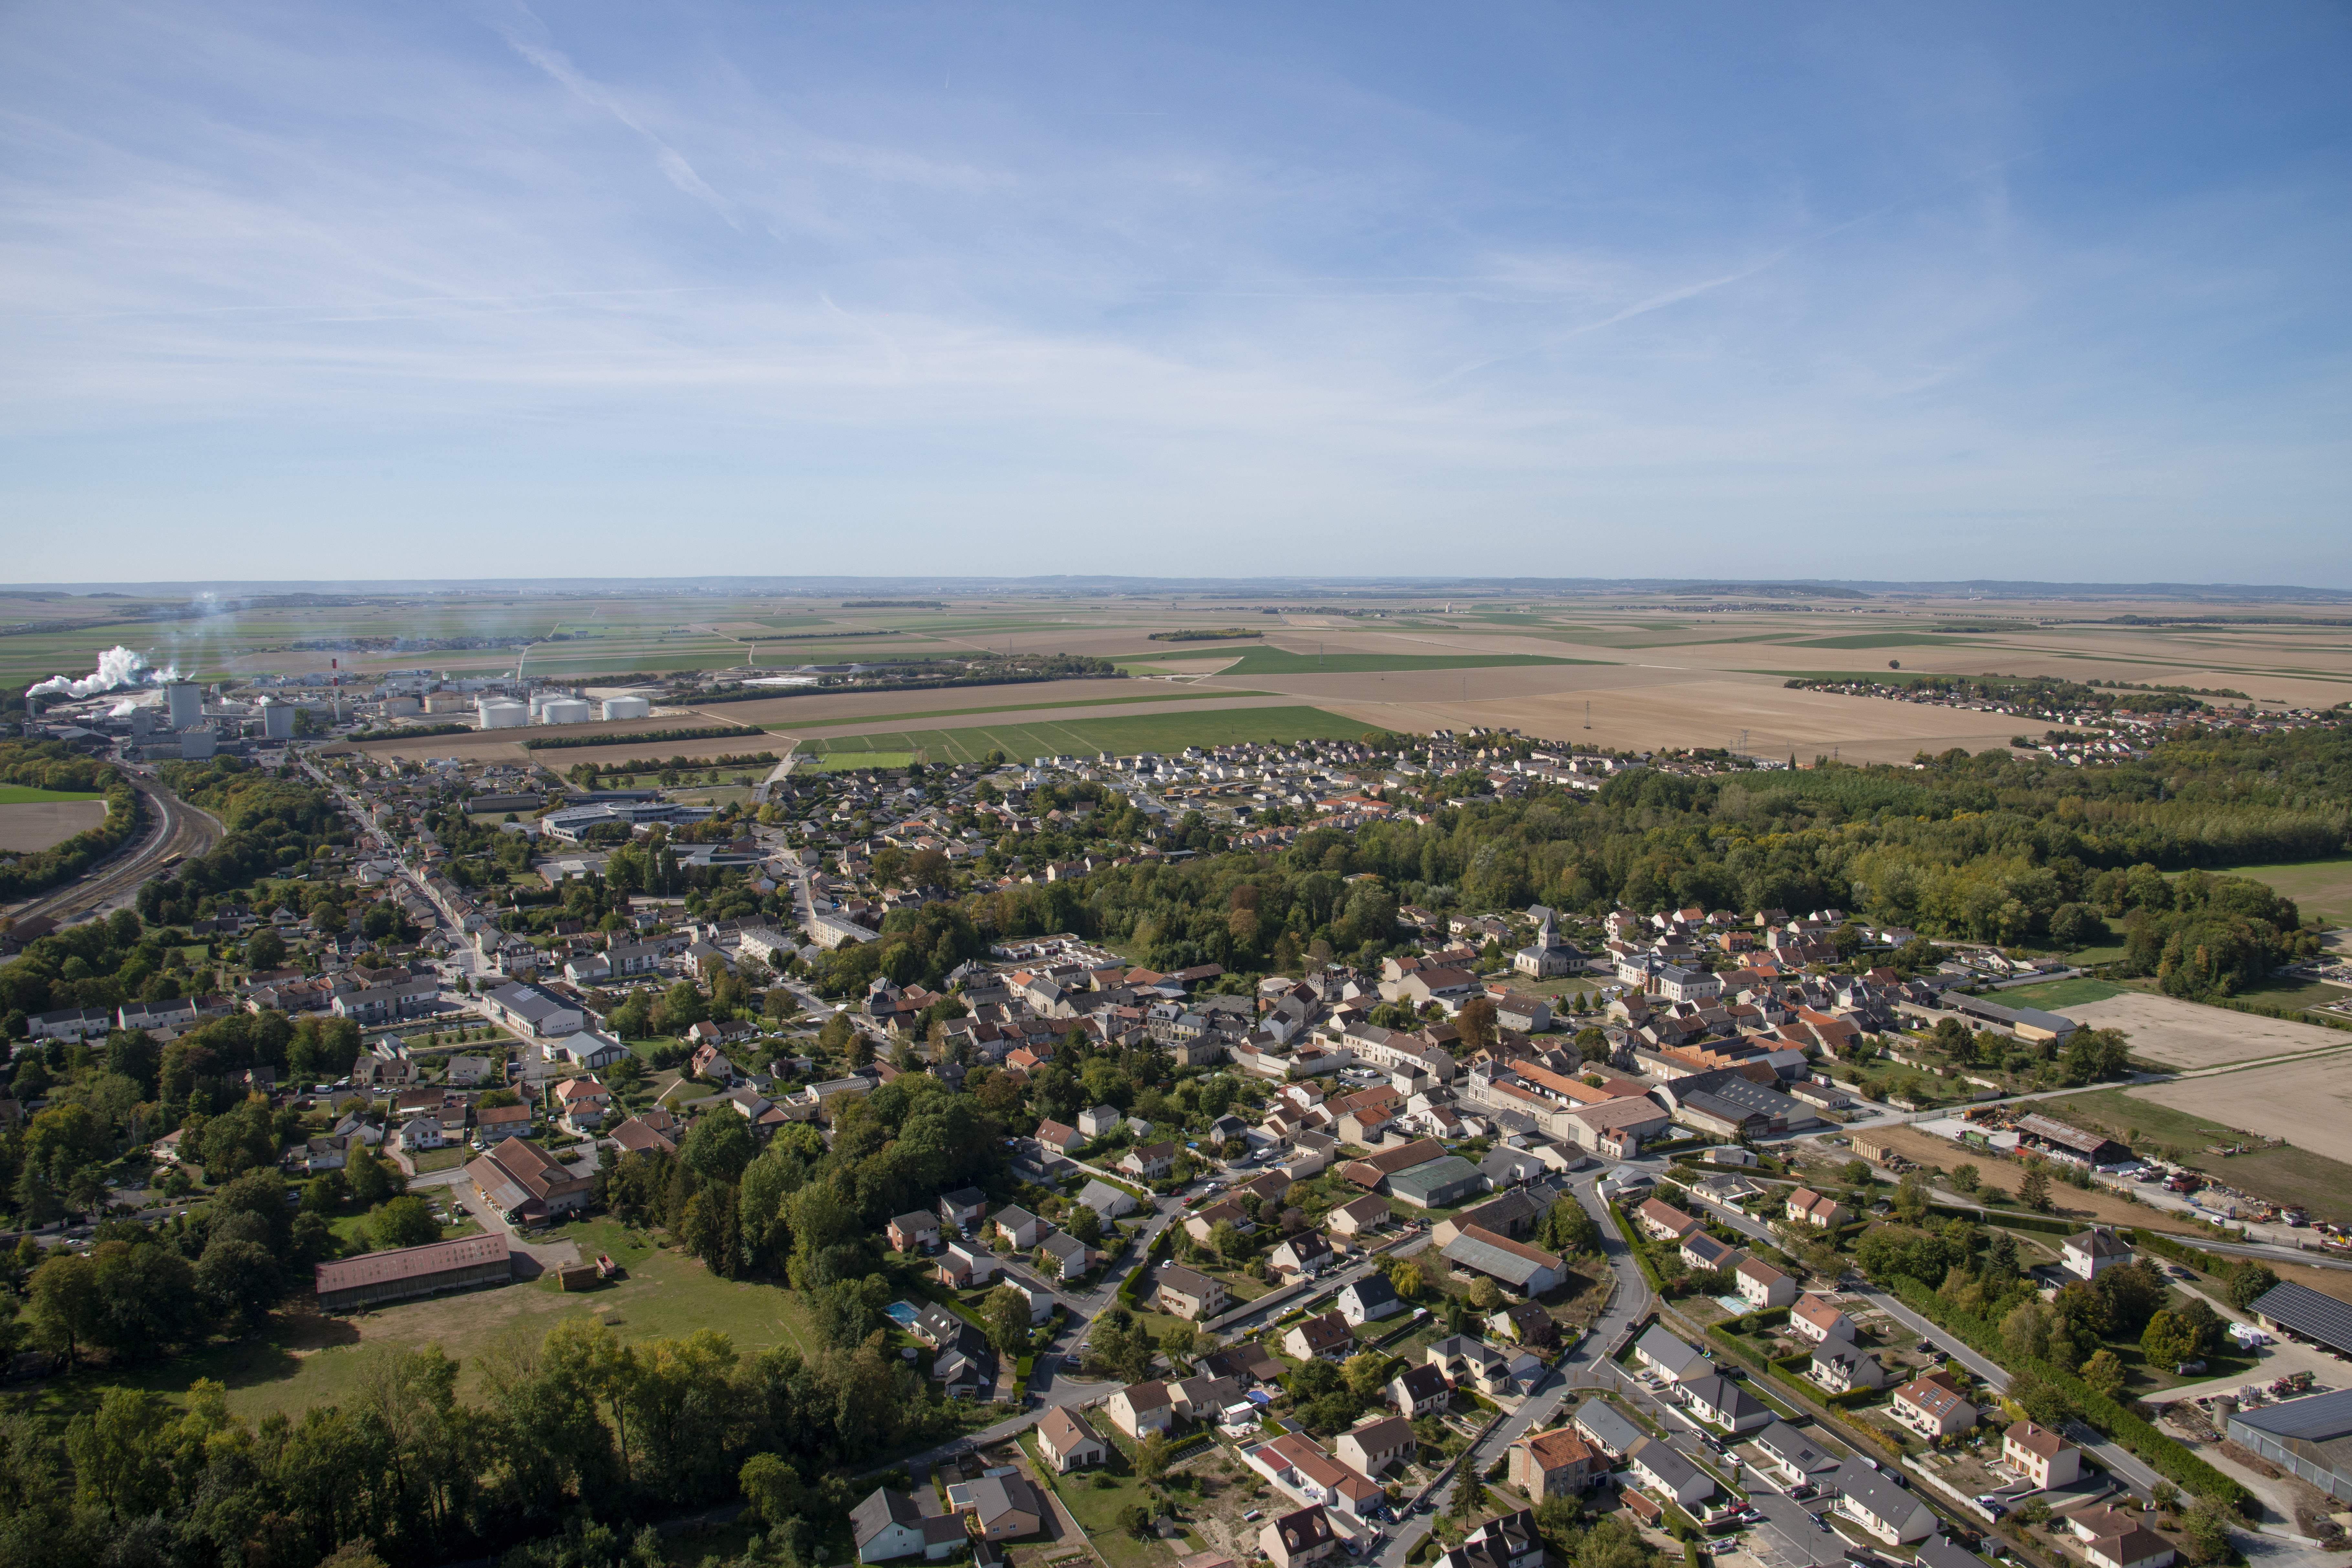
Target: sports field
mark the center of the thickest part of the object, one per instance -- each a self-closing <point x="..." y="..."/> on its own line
<point x="2057" y="995"/>
<point x="26" y="795"/>
<point x="1123" y="736"/>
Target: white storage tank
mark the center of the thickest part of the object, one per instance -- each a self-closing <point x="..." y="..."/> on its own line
<point x="502" y="713"/>
<point x="565" y="710"/>
<point x="628" y="708"/>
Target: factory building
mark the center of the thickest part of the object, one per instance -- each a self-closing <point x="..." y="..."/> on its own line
<point x="187" y="701"/>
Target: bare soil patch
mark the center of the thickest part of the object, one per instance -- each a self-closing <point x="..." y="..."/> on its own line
<point x="2189" y="1035"/>
<point x="37" y="825"/>
<point x="2308" y="1103"/>
<point x="1667" y="708"/>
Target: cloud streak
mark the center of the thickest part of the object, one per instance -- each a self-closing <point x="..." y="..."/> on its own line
<point x="559" y="65"/>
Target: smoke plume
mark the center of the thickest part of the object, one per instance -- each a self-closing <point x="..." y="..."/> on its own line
<point x="116" y="666"/>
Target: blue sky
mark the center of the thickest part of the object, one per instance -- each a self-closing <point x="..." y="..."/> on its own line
<point x="1814" y="290"/>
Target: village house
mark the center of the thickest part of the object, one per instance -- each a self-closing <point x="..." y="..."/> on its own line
<point x="1817" y="1319"/>
<point x="1761" y="1286"/>
<point x="1933" y="1406"/>
<point x="1558" y="1463"/>
<point x="1296" y="1540"/>
<point x="1807" y="1207"/>
<point x="2040" y="1454"/>
<point x="1375" y="1445"/>
<point x="1326" y="1336"/>
<point x="1141" y="1409"/>
<point x="1068" y="1442"/>
<point x="1188" y="1293"/>
<point x="1841" y="1367"/>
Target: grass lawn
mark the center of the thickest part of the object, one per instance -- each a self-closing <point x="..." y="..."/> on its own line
<point x="2294" y="994"/>
<point x="2284" y="1175"/>
<point x="26" y="795"/>
<point x="302" y="1359"/>
<point x="439" y="1160"/>
<point x="1095" y="1508"/>
<point x="2057" y="993"/>
<point x="1136" y="732"/>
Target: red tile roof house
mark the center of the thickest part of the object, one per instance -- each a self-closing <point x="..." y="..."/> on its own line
<point x="1806" y="1207"/>
<point x="492" y="1122"/>
<point x="2041" y="1456"/>
<point x="1815" y="1317"/>
<point x="1558" y="1463"/>
<point x="1664" y="1221"/>
<point x="1932" y="1407"/>
<point x="1055" y="1135"/>
<point x="525" y="1185"/>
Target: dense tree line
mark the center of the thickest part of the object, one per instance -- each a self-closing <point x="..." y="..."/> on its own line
<point x="1989" y="849"/>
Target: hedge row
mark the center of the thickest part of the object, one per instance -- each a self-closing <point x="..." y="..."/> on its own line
<point x="1633" y="1244"/>
<point x="2161" y="1453"/>
<point x="638" y="737"/>
<point x="2006" y="1220"/>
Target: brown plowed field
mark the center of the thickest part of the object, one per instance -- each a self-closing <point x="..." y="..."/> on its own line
<point x="38" y="824"/>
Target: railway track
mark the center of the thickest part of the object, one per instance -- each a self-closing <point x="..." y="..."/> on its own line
<point x="176" y="831"/>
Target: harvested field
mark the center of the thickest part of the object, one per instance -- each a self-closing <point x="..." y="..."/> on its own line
<point x="1086" y="732"/>
<point x="38" y="824"/>
<point x="1668" y="708"/>
<point x="2190" y="1034"/>
<point x="2308" y="1102"/>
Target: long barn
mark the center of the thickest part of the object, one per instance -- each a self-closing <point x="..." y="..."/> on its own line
<point x="377" y="1278"/>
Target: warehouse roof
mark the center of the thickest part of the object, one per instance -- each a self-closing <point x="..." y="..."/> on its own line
<point x="2308" y="1313"/>
<point x="2316" y="1419"/>
<point x="1423" y="1180"/>
<point x="1513" y="1263"/>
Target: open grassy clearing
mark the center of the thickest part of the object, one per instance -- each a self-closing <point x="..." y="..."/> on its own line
<point x="1122" y="735"/>
<point x="37" y="824"/>
<point x="2319" y="887"/>
<point x="26" y="795"/>
<point x="2058" y="994"/>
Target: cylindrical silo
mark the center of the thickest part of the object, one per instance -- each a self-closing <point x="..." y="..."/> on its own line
<point x="628" y="708"/>
<point x="502" y="713"/>
<point x="565" y="710"/>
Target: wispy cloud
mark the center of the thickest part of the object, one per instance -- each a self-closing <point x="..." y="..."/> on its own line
<point x="528" y="37"/>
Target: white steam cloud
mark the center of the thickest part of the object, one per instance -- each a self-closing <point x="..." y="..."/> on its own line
<point x="116" y="666"/>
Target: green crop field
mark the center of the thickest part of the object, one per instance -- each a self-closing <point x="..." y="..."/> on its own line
<point x="850" y="762"/>
<point x="2057" y="993"/>
<point x="1125" y="735"/>
<point x="1258" y="659"/>
<point x="26" y="795"/>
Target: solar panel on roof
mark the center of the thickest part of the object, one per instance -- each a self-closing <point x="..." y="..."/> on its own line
<point x="2308" y="1313"/>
